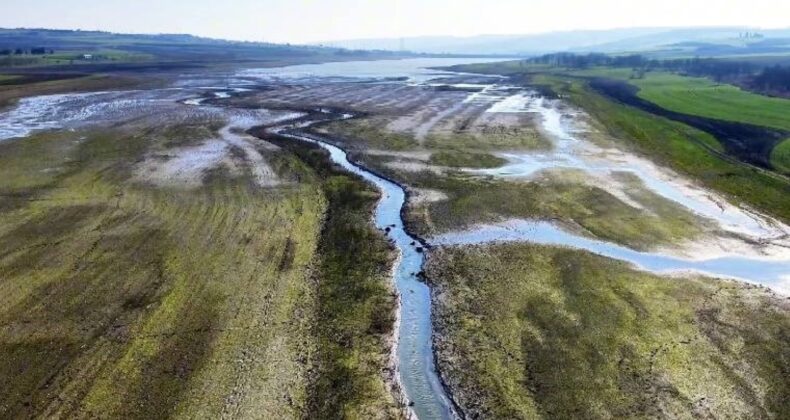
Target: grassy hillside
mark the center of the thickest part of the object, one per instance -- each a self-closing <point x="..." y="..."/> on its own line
<point x="686" y="149"/>
<point x="781" y="156"/>
<point x="538" y="332"/>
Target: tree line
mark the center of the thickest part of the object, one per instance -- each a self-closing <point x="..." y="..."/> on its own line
<point x="711" y="67"/>
<point x="774" y="79"/>
<point x="22" y="51"/>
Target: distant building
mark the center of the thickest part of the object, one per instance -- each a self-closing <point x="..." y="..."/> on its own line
<point x="87" y="56"/>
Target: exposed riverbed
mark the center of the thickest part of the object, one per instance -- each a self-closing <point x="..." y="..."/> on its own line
<point x="415" y="358"/>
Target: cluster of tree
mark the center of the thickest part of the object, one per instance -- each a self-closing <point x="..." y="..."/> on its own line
<point x="583" y="61"/>
<point x="32" y="51"/>
<point x="710" y="67"/>
<point x="773" y="79"/>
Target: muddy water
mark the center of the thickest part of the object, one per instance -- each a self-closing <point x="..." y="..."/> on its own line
<point x="415" y="357"/>
<point x="38" y="113"/>
<point x="71" y="110"/>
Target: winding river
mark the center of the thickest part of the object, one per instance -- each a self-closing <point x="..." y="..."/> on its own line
<point x="415" y="358"/>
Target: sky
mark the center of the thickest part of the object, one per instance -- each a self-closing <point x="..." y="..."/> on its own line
<point x="311" y="21"/>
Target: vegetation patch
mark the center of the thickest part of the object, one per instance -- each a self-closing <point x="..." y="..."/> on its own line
<point x="780" y="157"/>
<point x="355" y="302"/>
<point x="366" y="133"/>
<point x="490" y="138"/>
<point x="527" y="331"/>
<point x="463" y="159"/>
<point x="121" y="299"/>
<point x="555" y="196"/>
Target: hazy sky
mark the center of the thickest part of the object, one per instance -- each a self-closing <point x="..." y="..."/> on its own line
<point x="302" y="21"/>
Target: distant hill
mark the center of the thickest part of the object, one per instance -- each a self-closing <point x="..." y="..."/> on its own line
<point x="614" y="40"/>
<point x="25" y="48"/>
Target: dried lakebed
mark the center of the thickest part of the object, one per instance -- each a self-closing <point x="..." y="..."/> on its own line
<point x="415" y="357"/>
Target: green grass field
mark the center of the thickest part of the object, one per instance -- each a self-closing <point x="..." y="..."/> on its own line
<point x="704" y="97"/>
<point x="538" y="332"/>
<point x="780" y="156"/>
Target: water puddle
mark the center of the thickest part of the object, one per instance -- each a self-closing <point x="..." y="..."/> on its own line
<point x="38" y="113"/>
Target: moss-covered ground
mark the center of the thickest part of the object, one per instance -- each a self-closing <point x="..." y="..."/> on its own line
<point x="530" y="332"/>
<point x="122" y="299"/>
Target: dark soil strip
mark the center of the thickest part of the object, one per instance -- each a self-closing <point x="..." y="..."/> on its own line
<point x="25" y="79"/>
<point x="748" y="143"/>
